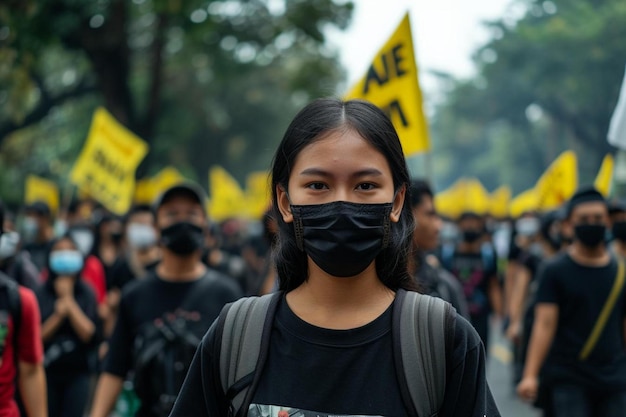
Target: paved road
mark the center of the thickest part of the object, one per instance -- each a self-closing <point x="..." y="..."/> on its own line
<point x="499" y="375"/>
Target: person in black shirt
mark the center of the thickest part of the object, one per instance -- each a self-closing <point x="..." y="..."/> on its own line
<point x="431" y="277"/>
<point x="37" y="232"/>
<point x="339" y="168"/>
<point x="70" y="330"/>
<point x="160" y="314"/>
<point x="577" y="339"/>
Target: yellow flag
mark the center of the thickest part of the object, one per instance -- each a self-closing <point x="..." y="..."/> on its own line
<point x="106" y="166"/>
<point x="166" y="178"/>
<point x="258" y="196"/>
<point x="392" y="83"/>
<point x="40" y="189"/>
<point x="559" y="182"/>
<point x="227" y="197"/>
<point x="144" y="191"/>
<point x="605" y="176"/>
<point x="449" y="203"/>
<point x="499" y="202"/>
<point x="524" y="202"/>
<point x="475" y="197"/>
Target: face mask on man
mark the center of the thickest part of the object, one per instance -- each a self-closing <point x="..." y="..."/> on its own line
<point x="183" y="238"/>
<point x="84" y="239"/>
<point x="30" y="229"/>
<point x="342" y="238"/>
<point x="8" y="244"/>
<point x="141" y="236"/>
<point x="590" y="235"/>
<point x="471" y="235"/>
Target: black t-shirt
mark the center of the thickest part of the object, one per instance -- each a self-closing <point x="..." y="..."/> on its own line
<point x="120" y="273"/>
<point x="65" y="352"/>
<point x="322" y="372"/>
<point x="38" y="253"/>
<point x="580" y="293"/>
<point x="474" y="271"/>
<point x="153" y="299"/>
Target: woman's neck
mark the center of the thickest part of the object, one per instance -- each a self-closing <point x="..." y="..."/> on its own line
<point x="340" y="303"/>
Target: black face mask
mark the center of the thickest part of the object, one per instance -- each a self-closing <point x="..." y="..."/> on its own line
<point x="590" y="235"/>
<point x="183" y="238"/>
<point x="471" y="236"/>
<point x="342" y="238"/>
<point x="619" y="231"/>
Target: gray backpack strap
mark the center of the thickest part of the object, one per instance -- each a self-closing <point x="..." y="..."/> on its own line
<point x="426" y="331"/>
<point x="244" y="345"/>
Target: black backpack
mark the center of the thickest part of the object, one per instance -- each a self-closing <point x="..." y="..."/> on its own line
<point x="163" y="352"/>
<point x="422" y="330"/>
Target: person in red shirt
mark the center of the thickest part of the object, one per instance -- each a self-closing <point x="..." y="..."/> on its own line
<point x="27" y="364"/>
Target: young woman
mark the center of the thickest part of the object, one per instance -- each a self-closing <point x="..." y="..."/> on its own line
<point x="69" y="330"/>
<point x="339" y="182"/>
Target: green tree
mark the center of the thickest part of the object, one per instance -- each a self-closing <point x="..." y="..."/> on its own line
<point x="546" y="82"/>
<point x="202" y="81"/>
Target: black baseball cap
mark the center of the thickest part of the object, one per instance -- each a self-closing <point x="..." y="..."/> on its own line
<point x="38" y="207"/>
<point x="584" y="195"/>
<point x="187" y="189"/>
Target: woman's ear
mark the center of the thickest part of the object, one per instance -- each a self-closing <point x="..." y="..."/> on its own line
<point x="283" y="204"/>
<point x="398" y="203"/>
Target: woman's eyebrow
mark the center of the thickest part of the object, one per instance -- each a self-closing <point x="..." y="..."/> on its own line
<point x="360" y="173"/>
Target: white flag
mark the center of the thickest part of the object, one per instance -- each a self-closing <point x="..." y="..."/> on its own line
<point x="617" y="128"/>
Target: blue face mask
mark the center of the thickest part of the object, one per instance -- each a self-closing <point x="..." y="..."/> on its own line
<point x="66" y="262"/>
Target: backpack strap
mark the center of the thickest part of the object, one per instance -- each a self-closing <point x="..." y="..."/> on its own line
<point x="423" y="334"/>
<point x="244" y="328"/>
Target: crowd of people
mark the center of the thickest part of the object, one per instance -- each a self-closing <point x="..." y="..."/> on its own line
<point x="97" y="311"/>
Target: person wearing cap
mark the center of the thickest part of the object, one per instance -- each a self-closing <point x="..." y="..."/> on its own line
<point x="577" y="340"/>
<point x="179" y="299"/>
<point x="37" y="232"/>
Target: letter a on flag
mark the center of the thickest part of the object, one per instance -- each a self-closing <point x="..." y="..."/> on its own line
<point x="391" y="83"/>
<point x="106" y="166"/>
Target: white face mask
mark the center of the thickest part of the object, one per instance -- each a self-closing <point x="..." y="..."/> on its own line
<point x="8" y="244"/>
<point x="60" y="228"/>
<point x="141" y="236"/>
<point x="30" y="228"/>
<point x="84" y="240"/>
<point x="527" y="226"/>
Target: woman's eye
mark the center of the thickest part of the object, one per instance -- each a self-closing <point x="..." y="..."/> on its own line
<point x="316" y="186"/>
<point x="366" y="186"/>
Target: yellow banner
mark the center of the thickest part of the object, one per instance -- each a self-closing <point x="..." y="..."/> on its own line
<point x="148" y="189"/>
<point x="558" y="183"/>
<point x="40" y="189"/>
<point x="107" y="164"/>
<point x="227" y="197"/>
<point x="392" y="83"/>
<point x="604" y="178"/>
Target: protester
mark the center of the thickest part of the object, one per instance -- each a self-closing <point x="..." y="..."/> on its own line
<point x="70" y="330"/>
<point x="473" y="262"/>
<point x="339" y="168"/>
<point x="528" y="256"/>
<point x="107" y="242"/>
<point x="163" y="316"/>
<point x="15" y="262"/>
<point x="576" y="349"/>
<point x="21" y="350"/>
<point x="431" y="277"/>
<point x="617" y="213"/>
<point x="140" y="254"/>
<point x="37" y="232"/>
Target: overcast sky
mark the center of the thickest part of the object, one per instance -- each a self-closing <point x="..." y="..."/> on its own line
<point x="445" y="33"/>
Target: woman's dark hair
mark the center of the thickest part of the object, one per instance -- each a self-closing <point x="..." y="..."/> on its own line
<point x="51" y="274"/>
<point x="310" y="124"/>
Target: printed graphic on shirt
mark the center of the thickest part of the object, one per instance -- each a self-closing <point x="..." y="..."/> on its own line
<point x="472" y="273"/>
<point x="258" y="410"/>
